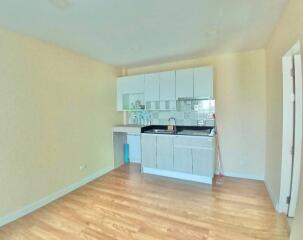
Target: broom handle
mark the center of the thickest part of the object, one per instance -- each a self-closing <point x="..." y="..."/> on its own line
<point x="219" y="157"/>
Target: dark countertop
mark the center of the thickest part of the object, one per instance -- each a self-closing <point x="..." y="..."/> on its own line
<point x="180" y="130"/>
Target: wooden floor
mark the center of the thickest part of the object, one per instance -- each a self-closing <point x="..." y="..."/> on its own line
<point x="125" y="204"/>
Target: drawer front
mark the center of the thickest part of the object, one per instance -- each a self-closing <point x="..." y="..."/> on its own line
<point x="194" y="142"/>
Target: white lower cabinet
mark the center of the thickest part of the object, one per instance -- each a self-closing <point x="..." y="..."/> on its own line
<point x="184" y="157"/>
<point x="149" y="150"/>
<point x="165" y="154"/>
<point x="199" y="153"/>
<point x="203" y="162"/>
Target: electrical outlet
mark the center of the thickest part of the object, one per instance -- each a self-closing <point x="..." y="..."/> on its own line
<point x="83" y="167"/>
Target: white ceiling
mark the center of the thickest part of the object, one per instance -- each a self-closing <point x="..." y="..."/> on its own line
<point x="139" y="32"/>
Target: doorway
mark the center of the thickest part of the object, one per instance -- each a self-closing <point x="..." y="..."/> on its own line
<point x="292" y="130"/>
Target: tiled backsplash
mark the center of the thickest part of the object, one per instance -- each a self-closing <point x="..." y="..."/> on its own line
<point x="186" y="112"/>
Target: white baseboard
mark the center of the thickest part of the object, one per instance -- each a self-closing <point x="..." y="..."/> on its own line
<point x="178" y="175"/>
<point x="273" y="200"/>
<point x="52" y="197"/>
<point x="245" y="176"/>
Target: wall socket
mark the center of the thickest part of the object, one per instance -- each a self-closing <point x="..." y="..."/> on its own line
<point x="83" y="167"/>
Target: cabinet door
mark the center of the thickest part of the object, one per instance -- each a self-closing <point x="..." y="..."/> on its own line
<point x="203" y="162"/>
<point x="128" y="85"/>
<point x="203" y="82"/>
<point x="149" y="150"/>
<point x="133" y="84"/>
<point x="184" y="83"/>
<point x="183" y="159"/>
<point x="167" y="86"/>
<point x="152" y="88"/>
<point x="165" y="155"/>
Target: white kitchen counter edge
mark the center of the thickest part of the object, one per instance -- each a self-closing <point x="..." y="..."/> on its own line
<point x="127" y="129"/>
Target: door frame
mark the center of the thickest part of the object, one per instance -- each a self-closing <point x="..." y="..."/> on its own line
<point x="290" y="168"/>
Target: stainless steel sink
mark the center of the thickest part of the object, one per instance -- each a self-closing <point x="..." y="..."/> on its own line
<point x="160" y="131"/>
<point x="190" y="132"/>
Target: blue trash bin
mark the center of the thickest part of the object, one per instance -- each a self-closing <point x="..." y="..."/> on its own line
<point x="126" y="153"/>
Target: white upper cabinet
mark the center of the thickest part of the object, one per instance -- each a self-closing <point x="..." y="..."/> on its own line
<point x="167" y="86"/>
<point x="128" y="85"/>
<point x="164" y="86"/>
<point x="121" y="89"/>
<point x="133" y="84"/>
<point x="203" y="82"/>
<point x="152" y="87"/>
<point x="185" y="83"/>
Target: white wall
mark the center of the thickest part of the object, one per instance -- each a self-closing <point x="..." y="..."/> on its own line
<point x="56" y="113"/>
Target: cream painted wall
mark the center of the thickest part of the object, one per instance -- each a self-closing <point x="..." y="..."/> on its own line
<point x="56" y="113"/>
<point x="288" y="31"/>
<point x="240" y="106"/>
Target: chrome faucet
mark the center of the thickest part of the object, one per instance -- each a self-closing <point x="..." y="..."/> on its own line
<point x="174" y="126"/>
